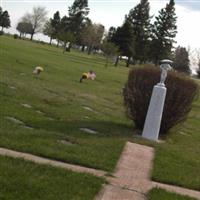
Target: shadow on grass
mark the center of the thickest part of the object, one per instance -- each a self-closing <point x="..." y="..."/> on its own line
<point x="103" y="128"/>
<point x="83" y="58"/>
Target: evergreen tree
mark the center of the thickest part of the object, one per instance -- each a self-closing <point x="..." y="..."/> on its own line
<point x="64" y="31"/>
<point x="181" y="60"/>
<point x="64" y="24"/>
<point x="1" y="11"/>
<point x="79" y="40"/>
<point x="4" y="19"/>
<point x="66" y="37"/>
<point x="198" y="70"/>
<point x="140" y="21"/>
<point x="197" y="62"/>
<point x="55" y="24"/>
<point x="124" y="39"/>
<point x="163" y="33"/>
<point x="77" y="15"/>
<point x="111" y="33"/>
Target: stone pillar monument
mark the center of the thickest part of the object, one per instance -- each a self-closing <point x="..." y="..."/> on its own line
<point x="155" y="110"/>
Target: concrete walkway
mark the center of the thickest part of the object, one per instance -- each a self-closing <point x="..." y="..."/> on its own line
<point x="178" y="190"/>
<point x="132" y="175"/>
<point x="131" y="179"/>
<point x="40" y="160"/>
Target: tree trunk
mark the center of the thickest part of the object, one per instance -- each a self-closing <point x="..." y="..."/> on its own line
<point x="2" y="29"/>
<point x="89" y="50"/>
<point x="32" y="36"/>
<point x="20" y="35"/>
<point x="58" y="42"/>
<point x="116" y="61"/>
<point x="69" y="47"/>
<point x="83" y="48"/>
<point x="50" y="40"/>
<point x="64" y="47"/>
<point x="128" y="62"/>
<point x="106" y="65"/>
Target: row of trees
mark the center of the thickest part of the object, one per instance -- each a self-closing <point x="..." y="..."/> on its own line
<point x="4" y="19"/>
<point x="142" y="40"/>
<point x="32" y="23"/>
<point x="75" y="28"/>
<point x="138" y="38"/>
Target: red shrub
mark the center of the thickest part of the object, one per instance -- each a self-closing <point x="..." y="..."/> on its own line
<point x="181" y="91"/>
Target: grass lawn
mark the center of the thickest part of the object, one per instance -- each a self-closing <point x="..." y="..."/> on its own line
<point x="55" y="106"/>
<point x="25" y="180"/>
<point x="177" y="161"/>
<point x="63" y="105"/>
<point x="160" y="194"/>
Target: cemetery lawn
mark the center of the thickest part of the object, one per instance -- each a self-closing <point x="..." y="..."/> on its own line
<point x="177" y="162"/>
<point x="160" y="194"/>
<point x="25" y="180"/>
<point x="44" y="115"/>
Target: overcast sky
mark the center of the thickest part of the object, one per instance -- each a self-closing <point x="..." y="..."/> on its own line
<point x="112" y="12"/>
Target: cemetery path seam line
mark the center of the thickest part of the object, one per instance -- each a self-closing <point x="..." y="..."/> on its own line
<point x="54" y="163"/>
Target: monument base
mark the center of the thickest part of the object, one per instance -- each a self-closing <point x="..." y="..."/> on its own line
<point x="154" y="114"/>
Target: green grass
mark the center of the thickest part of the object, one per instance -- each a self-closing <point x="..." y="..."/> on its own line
<point x="59" y="95"/>
<point x="160" y="194"/>
<point x="177" y="161"/>
<point x="25" y="180"/>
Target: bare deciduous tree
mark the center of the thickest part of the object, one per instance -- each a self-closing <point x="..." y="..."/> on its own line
<point x="92" y="36"/>
<point x="37" y="18"/>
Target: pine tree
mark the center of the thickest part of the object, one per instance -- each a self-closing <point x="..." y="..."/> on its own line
<point x="140" y="21"/>
<point x="64" y="31"/>
<point x="55" y="23"/>
<point x="163" y="33"/>
<point x="181" y="60"/>
<point x="124" y="39"/>
<point x="4" y="19"/>
<point x="1" y="11"/>
<point x="111" y="33"/>
<point x="79" y="40"/>
<point x="77" y="15"/>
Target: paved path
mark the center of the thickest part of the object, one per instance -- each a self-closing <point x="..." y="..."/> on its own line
<point x="131" y="179"/>
<point x="40" y="160"/>
<point x="177" y="189"/>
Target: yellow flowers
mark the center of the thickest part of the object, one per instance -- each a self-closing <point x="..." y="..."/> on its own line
<point x="37" y="70"/>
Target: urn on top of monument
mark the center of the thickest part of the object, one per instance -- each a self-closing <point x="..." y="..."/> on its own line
<point x="165" y="65"/>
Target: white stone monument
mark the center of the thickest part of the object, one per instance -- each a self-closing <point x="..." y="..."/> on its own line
<point x="155" y="110"/>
